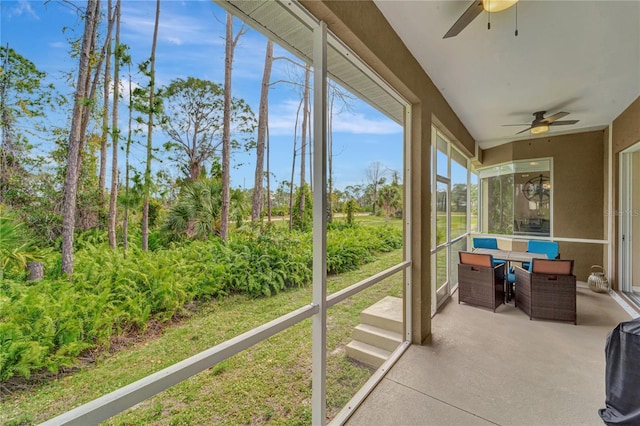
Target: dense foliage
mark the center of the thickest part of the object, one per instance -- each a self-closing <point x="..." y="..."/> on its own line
<point x="47" y="324"/>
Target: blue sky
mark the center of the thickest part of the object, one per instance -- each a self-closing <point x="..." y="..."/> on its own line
<point x="191" y="43"/>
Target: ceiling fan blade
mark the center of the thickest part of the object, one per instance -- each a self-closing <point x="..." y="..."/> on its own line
<point x="469" y="15"/>
<point x="554" y="117"/>
<point x="563" y="122"/>
<point x="525" y="130"/>
<point x="519" y="125"/>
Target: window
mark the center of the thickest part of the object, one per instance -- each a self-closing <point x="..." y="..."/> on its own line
<point x="451" y="214"/>
<point x="473" y="202"/>
<point x="516" y="198"/>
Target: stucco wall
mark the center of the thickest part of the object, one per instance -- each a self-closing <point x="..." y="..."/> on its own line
<point x="361" y="26"/>
<point x="625" y="132"/>
<point x="578" y="189"/>
<point x="635" y="217"/>
<point x="626" y="127"/>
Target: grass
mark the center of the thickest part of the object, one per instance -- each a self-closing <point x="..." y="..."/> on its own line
<point x="268" y="383"/>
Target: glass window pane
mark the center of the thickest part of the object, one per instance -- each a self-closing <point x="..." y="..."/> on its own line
<point x="458" y="246"/>
<point x="516" y="198"/>
<point x="442" y="159"/>
<point x="532" y="203"/>
<point x="442" y="288"/>
<point x="473" y="197"/>
<point x="441" y="213"/>
<point x="458" y="157"/>
<point x="497" y="204"/>
<point x="458" y="199"/>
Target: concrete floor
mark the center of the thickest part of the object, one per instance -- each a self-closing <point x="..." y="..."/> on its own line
<point x="500" y="368"/>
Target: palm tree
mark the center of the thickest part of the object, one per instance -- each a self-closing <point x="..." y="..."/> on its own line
<point x="197" y="212"/>
<point x="240" y="206"/>
<point x="389" y="198"/>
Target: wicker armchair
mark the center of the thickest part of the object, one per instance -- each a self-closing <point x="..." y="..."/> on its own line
<point x="480" y="283"/>
<point x="548" y="291"/>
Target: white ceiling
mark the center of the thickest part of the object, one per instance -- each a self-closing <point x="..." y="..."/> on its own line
<point x="582" y="57"/>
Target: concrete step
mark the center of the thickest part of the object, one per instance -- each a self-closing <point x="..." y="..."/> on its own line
<point x="385" y="314"/>
<point x="375" y="336"/>
<point x="367" y="354"/>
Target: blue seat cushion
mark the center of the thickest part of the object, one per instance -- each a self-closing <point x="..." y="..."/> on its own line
<point x="488" y="243"/>
<point x="550" y="248"/>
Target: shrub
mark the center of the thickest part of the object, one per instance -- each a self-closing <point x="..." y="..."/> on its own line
<point x="302" y="220"/>
<point x="263" y="264"/>
<point x="48" y="324"/>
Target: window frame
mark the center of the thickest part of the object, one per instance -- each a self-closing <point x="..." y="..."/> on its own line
<point x="515" y="167"/>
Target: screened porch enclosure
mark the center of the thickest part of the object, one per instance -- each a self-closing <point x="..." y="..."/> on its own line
<point x="332" y="63"/>
<point x="455" y="364"/>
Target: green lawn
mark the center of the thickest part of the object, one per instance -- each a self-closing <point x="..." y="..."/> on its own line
<point x="270" y="382"/>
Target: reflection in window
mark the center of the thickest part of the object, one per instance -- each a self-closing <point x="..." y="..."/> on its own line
<point x="516" y="198"/>
<point x="499" y="205"/>
<point x="442" y="159"/>
<point x="532" y="202"/>
<point x="458" y="246"/>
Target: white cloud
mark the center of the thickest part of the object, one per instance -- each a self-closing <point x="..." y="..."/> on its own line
<point x="58" y="45"/>
<point x="174" y="28"/>
<point x="124" y="89"/>
<point x="282" y="119"/>
<point x="357" y="123"/>
<point x="23" y="7"/>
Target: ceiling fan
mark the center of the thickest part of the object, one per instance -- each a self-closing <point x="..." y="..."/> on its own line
<point x="476" y="7"/>
<point x="540" y="123"/>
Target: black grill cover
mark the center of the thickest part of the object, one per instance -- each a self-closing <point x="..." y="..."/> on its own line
<point x="622" y="381"/>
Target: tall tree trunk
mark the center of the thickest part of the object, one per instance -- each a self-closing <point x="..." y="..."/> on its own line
<point x="330" y="159"/>
<point x="293" y="167"/>
<point x="310" y="145"/>
<point x="75" y="136"/>
<point x="268" y="177"/>
<point x="226" y="124"/>
<point x="125" y="220"/>
<point x="303" y="133"/>
<point x="115" y="134"/>
<point x="6" y="130"/>
<point x="263" y="123"/>
<point x="147" y="171"/>
<point x="93" y="90"/>
<point x="105" y="113"/>
<point x="230" y="45"/>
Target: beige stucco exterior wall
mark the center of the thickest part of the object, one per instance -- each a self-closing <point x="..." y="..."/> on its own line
<point x="635" y="216"/>
<point x="578" y="189"/>
<point x="606" y="196"/>
<point x="626" y="127"/>
<point x="364" y="29"/>
<point x="625" y="133"/>
<point x="579" y="160"/>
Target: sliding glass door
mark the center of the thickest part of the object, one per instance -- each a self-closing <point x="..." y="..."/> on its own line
<point x="450" y="208"/>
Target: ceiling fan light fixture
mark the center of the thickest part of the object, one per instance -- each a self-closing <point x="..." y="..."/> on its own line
<point x="497" y="5"/>
<point x="541" y="128"/>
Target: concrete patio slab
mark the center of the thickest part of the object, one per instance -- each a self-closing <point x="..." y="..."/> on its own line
<point x="500" y="368"/>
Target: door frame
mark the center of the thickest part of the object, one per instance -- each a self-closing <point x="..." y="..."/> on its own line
<point x="625" y="218"/>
